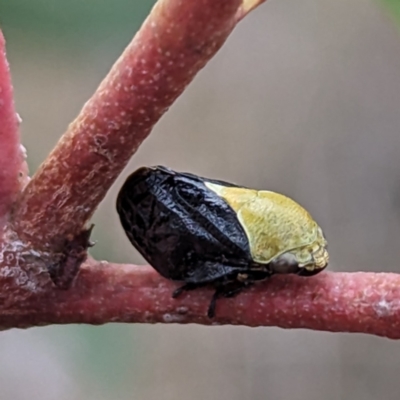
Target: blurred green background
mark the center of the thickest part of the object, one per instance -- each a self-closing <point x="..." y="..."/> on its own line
<point x="394" y="8"/>
<point x="303" y="99"/>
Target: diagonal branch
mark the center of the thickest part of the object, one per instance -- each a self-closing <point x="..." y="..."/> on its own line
<point x="174" y="43"/>
<point x="336" y="302"/>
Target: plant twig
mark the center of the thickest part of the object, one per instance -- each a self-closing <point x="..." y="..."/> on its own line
<point x="174" y="43"/>
<point x="49" y="219"/>
<point x="13" y="169"/>
<point x="336" y="302"/>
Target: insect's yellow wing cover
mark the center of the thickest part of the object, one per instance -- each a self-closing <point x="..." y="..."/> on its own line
<point x="274" y="224"/>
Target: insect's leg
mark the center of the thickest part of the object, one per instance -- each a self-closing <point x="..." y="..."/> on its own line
<point x="213" y="303"/>
<point x="186" y="287"/>
<point x="304" y="272"/>
<point x="232" y="292"/>
<point x="228" y="289"/>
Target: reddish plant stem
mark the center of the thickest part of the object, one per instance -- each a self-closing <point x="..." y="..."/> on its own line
<point x="335" y="302"/>
<point x="12" y="167"/>
<point x="174" y="43"/>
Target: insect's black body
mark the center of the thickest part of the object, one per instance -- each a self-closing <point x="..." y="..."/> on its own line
<point x="185" y="231"/>
<point x="201" y="231"/>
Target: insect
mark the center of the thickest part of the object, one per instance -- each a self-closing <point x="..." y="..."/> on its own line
<point x="209" y="232"/>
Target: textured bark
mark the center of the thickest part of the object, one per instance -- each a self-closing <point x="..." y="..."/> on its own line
<point x="104" y="292"/>
<point x="44" y="245"/>
<point x="13" y="169"/>
<point x="174" y="43"/>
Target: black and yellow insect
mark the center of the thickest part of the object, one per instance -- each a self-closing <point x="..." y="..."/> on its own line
<point x="202" y="231"/>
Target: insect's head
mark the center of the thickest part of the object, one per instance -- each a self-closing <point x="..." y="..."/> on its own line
<point x="306" y="260"/>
